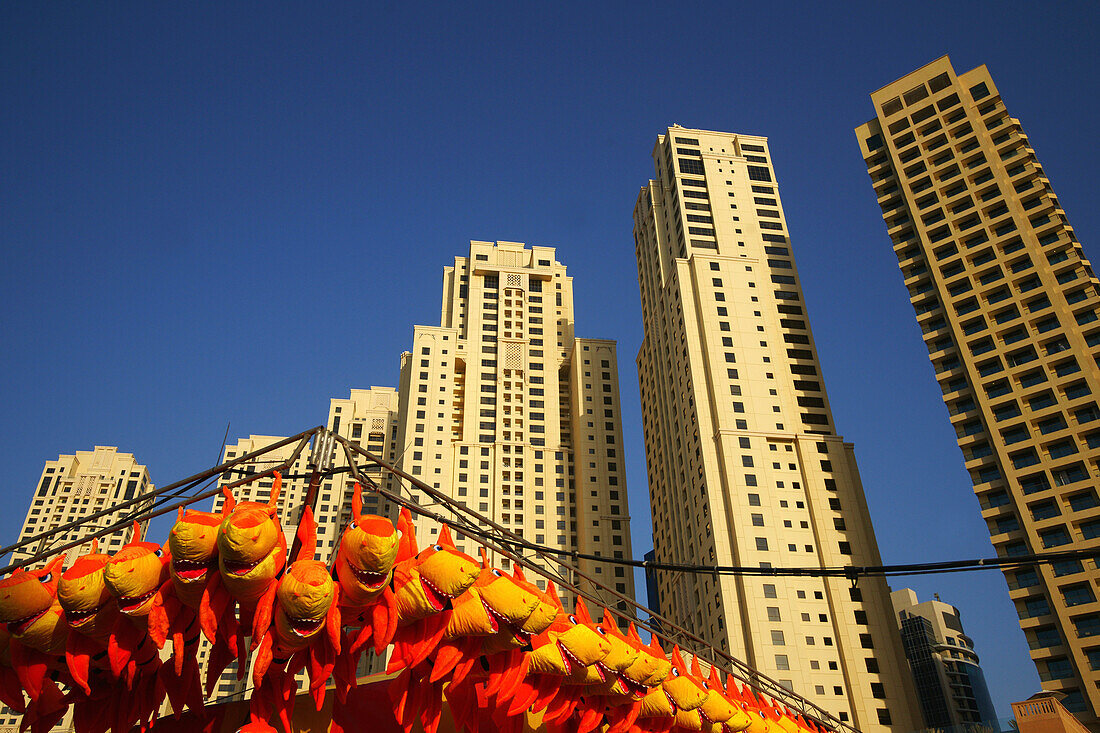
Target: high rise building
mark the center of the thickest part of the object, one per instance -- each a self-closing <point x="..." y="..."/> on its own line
<point x="74" y="486"/>
<point x="745" y="466"/>
<point x="1008" y="306"/>
<point x="502" y="408"/>
<point x="949" y="680"/>
<point x="71" y="488"/>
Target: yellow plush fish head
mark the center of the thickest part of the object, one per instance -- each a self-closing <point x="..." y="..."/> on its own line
<point x="718" y="707"/>
<point x="83" y="593"/>
<point x="193" y="546"/>
<point x="546" y="610"/>
<point x="567" y="645"/>
<point x="686" y="692"/>
<point x="506" y="600"/>
<point x="649" y="668"/>
<point x="304" y="597"/>
<point x="443" y="573"/>
<point x="622" y="653"/>
<point x="27" y="595"/>
<point x="135" y="573"/>
<point x="249" y="531"/>
<point x="368" y="551"/>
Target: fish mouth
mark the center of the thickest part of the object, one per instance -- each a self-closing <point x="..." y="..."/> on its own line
<point x="18" y="626"/>
<point x="671" y="703"/>
<point x="369" y="579"/>
<point x="437" y="598"/>
<point x="191" y="570"/>
<point x="128" y="604"/>
<point x="635" y="689"/>
<point x="80" y="618"/>
<point x="239" y="568"/>
<point x="707" y="722"/>
<point x="495" y="618"/>
<point x="603" y="670"/>
<point x="305" y="627"/>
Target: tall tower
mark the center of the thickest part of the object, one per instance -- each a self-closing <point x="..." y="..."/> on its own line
<point x="503" y="409"/>
<point x="1008" y="306"/>
<point x="74" y="486"/>
<point x="745" y="467"/>
<point x="949" y="681"/>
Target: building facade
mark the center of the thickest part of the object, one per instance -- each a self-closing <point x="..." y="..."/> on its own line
<point x="745" y="466"/>
<point x="950" y="683"/>
<point x="1008" y="306"/>
<point x="74" y="486"/>
<point x="504" y="409"/>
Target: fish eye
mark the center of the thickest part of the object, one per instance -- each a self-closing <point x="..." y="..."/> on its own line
<point x="601" y="630"/>
<point x="573" y="620"/>
<point x="47" y="578"/>
<point x="158" y="552"/>
<point x="498" y="573"/>
<point x="437" y="548"/>
<point x="705" y="685"/>
<point x="675" y="672"/>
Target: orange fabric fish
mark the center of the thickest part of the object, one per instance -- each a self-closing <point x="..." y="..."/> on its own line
<point x="251" y="557"/>
<point x="192" y="551"/>
<point x="36" y="622"/>
<point x="364" y="570"/>
<point x="134" y="575"/>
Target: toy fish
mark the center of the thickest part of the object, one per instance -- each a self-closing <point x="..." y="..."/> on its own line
<point x="306" y="624"/>
<point x="134" y="575"/>
<point x="251" y="557"/>
<point x="36" y="622"/>
<point x="364" y="568"/>
<point x="91" y="612"/>
<point x="192" y="561"/>
<point x="425" y="584"/>
<point x="677" y="694"/>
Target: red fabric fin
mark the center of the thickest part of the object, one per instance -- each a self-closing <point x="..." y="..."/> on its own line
<point x="79" y="650"/>
<point x="434" y="627"/>
<point x="591" y="718"/>
<point x="11" y="692"/>
<point x="364" y="635"/>
<point x="261" y="620"/>
<point x="497" y="668"/>
<point x="213" y="606"/>
<point x="158" y="618"/>
<point x="333" y="621"/>
<point x="523" y="697"/>
<point x="433" y="709"/>
<point x="515" y="671"/>
<point x="263" y="660"/>
<point x="548" y="688"/>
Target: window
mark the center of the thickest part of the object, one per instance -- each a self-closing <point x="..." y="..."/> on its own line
<point x="781" y="660"/>
<point x="773" y="614"/>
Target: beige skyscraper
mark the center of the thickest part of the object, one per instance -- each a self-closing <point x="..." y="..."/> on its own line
<point x="74" y="486"/>
<point x="745" y="467"/>
<point x="1008" y="306"/>
<point x="502" y="408"/>
<point x="71" y="488"/>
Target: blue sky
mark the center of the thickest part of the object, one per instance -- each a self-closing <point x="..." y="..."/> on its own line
<point x="230" y="212"/>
